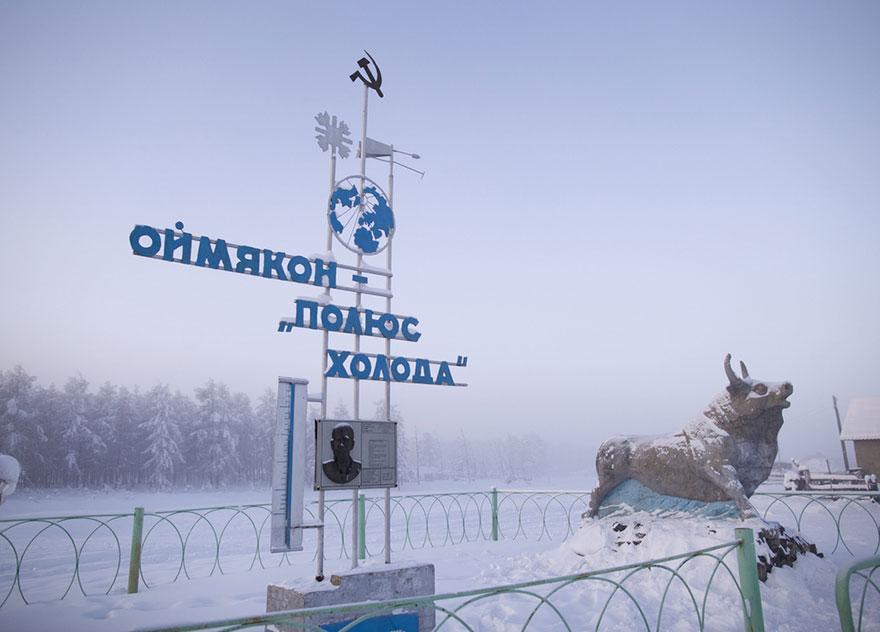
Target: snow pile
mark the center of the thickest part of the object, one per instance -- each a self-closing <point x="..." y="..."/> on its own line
<point x="9" y="472"/>
<point x="641" y="537"/>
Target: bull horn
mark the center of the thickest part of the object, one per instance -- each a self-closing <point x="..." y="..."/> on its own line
<point x="745" y="371"/>
<point x="734" y="380"/>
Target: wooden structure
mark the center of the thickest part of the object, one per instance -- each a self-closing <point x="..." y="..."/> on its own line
<point x="862" y="427"/>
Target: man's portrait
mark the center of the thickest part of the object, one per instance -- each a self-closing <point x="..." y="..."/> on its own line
<point x="342" y="468"/>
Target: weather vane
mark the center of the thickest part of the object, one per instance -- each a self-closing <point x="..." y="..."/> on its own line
<point x="332" y="134"/>
<point x="370" y="81"/>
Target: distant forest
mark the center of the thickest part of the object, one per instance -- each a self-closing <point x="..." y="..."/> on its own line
<point x="158" y="438"/>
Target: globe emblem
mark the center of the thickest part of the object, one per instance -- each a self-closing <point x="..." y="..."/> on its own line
<point x="362" y="222"/>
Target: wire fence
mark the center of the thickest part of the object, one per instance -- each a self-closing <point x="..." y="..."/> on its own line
<point x="867" y="581"/>
<point x="58" y="557"/>
<point x="835" y="521"/>
<point x="708" y="582"/>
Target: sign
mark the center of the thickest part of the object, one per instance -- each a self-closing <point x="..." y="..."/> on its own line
<point x="407" y="622"/>
<point x="353" y="454"/>
<point x="348" y="454"/>
<point x="359" y="215"/>
<point x="353" y="320"/>
<point x="288" y="464"/>
<point x="382" y="368"/>
<point x="177" y="245"/>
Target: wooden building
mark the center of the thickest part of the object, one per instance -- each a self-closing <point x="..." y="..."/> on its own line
<point x="862" y="427"/>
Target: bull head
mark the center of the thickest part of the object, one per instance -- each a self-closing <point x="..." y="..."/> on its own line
<point x="750" y="396"/>
<point x="736" y="384"/>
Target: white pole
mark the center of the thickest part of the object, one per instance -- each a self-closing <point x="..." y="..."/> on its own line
<point x="332" y="188"/>
<point x="354" y="528"/>
<point x="360" y="258"/>
<point x="388" y="355"/>
<point x="357" y="338"/>
<point x="388" y="525"/>
<point x="319" y="575"/>
<point x="326" y="335"/>
<point x="388" y="281"/>
<point x="357" y="341"/>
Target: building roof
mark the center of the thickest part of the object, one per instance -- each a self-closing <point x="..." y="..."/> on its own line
<point x="862" y="420"/>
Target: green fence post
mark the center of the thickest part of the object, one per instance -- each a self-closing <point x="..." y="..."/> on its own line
<point x="362" y="527"/>
<point x="844" y="605"/>
<point x="134" y="560"/>
<point x="842" y="586"/>
<point x="495" y="514"/>
<point x="753" y="611"/>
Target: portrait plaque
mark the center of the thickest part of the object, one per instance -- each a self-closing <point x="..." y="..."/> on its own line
<point x="355" y="454"/>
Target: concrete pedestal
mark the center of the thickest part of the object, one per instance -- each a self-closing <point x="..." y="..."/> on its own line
<point x="373" y="582"/>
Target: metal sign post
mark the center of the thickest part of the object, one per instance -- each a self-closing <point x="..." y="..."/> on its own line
<point x="360" y="217"/>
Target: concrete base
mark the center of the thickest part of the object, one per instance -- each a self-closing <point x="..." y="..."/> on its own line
<point x="371" y="582"/>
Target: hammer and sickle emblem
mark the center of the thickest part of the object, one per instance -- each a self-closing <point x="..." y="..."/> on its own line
<point x="370" y="81"/>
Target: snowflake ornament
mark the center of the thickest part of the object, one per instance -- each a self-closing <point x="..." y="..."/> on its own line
<point x="332" y="134"/>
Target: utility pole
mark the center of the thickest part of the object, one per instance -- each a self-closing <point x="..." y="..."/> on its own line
<point x="839" y="432"/>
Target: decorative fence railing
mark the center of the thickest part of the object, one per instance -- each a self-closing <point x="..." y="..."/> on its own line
<point x="864" y="571"/>
<point x="57" y="557"/>
<point x="431" y="520"/>
<point x="822" y="515"/>
<point x="635" y="596"/>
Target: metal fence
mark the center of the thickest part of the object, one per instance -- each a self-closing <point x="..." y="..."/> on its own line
<point x="864" y="571"/>
<point x="851" y="518"/>
<point x="57" y="557"/>
<point x="699" y="579"/>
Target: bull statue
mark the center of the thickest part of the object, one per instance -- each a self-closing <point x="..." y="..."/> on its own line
<point x="722" y="455"/>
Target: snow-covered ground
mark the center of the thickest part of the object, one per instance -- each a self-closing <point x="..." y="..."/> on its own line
<point x="794" y="599"/>
<point x="44" y="502"/>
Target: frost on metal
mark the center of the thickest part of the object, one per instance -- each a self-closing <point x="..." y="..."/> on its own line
<point x="332" y="134"/>
<point x="722" y="455"/>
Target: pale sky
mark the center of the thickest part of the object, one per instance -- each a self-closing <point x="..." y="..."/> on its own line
<point x="617" y="195"/>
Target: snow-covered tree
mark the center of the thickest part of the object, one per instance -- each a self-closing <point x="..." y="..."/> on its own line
<point x="50" y="407"/>
<point x="81" y="445"/>
<point x="163" y="438"/>
<point x="461" y="460"/>
<point x="21" y="433"/>
<point x="341" y="411"/>
<point x="519" y="457"/>
<point x="244" y="427"/>
<point x="216" y="435"/>
<point x="260" y="453"/>
<point x="128" y="456"/>
<point x="105" y="425"/>
<point x="431" y="456"/>
<point x="309" y="464"/>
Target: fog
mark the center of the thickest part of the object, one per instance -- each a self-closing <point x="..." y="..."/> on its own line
<point x="616" y="196"/>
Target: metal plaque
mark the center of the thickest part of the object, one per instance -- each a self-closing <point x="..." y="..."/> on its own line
<point x="354" y="454"/>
